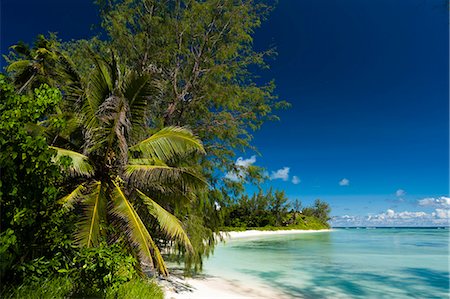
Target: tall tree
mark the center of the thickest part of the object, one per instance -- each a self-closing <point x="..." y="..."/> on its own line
<point x="203" y="51"/>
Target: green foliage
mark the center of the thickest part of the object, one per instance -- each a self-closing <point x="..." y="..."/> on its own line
<point x="137" y="288"/>
<point x="28" y="182"/>
<point x="99" y="269"/>
<point x="322" y="210"/>
<point x="120" y="168"/>
<point x="121" y="139"/>
<point x="269" y="211"/>
<point x="44" y="63"/>
<point x="45" y="288"/>
<point x="202" y="57"/>
<point x="309" y="222"/>
<point x="63" y="287"/>
<point x="260" y="210"/>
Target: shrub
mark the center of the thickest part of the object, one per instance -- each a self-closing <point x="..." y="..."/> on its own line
<point x="98" y="269"/>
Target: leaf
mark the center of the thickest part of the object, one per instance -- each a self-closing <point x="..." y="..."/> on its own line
<point x="80" y="163"/>
<point x="170" y="142"/>
<point x="18" y="65"/>
<point x="137" y="231"/>
<point x="169" y="224"/>
<point x="89" y="227"/>
<point x="143" y="174"/>
<point x="70" y="199"/>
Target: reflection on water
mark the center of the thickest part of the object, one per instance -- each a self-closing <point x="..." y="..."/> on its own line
<point x="344" y="263"/>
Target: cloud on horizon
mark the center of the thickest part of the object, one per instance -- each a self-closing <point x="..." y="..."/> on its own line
<point x="344" y="182"/>
<point x="390" y="217"/>
<point x="439" y="202"/>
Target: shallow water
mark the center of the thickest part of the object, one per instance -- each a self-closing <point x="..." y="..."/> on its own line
<point x="343" y="263"/>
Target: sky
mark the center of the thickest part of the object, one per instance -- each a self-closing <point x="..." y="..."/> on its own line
<point x="368" y="130"/>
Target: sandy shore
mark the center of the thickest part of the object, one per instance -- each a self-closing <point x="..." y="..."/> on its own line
<point x="219" y="288"/>
<point x="216" y="288"/>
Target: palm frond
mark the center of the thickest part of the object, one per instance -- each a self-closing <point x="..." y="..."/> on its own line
<point x="100" y="88"/>
<point x="136" y="90"/>
<point x="70" y="199"/>
<point x="169" y="224"/>
<point x="137" y="231"/>
<point x="114" y="113"/>
<point x="144" y="174"/>
<point x="89" y="227"/>
<point x="80" y="163"/>
<point x="18" y="65"/>
<point x="22" y="49"/>
<point x="168" y="143"/>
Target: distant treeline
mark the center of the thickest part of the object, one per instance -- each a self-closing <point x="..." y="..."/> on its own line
<point x="273" y="209"/>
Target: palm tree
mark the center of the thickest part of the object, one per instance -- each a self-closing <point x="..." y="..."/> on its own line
<point x="120" y="168"/>
<point x="43" y="63"/>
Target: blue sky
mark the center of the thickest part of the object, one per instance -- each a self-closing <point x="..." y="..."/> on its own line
<point x="368" y="84"/>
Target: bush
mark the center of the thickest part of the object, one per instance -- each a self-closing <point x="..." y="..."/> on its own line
<point x="102" y="268"/>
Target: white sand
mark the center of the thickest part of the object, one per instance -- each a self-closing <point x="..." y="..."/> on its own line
<point x="220" y="288"/>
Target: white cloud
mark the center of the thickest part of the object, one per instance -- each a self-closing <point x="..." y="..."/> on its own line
<point x="392" y="218"/>
<point x="400" y="193"/>
<point x="442" y="213"/>
<point x="390" y="213"/>
<point x="241" y="165"/>
<point x="440" y="202"/>
<point x="282" y="173"/>
<point x="344" y="182"/>
<point x="245" y="162"/>
<point x="295" y="180"/>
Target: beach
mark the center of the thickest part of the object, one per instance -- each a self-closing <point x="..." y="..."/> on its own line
<point x="208" y="286"/>
<point x="336" y="263"/>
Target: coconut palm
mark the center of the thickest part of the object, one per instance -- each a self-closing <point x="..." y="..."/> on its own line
<point x="43" y="63"/>
<point x="121" y="169"/>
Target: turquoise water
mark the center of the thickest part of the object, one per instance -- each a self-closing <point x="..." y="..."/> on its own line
<point x="343" y="263"/>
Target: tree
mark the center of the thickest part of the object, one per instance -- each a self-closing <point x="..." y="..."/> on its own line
<point x="297" y="209"/>
<point x="43" y="63"/>
<point x="279" y="206"/>
<point x="118" y="171"/>
<point x="203" y="51"/>
<point x="322" y="210"/>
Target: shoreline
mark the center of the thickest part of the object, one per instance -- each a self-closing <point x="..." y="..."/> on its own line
<point x="259" y="233"/>
<point x="208" y="286"/>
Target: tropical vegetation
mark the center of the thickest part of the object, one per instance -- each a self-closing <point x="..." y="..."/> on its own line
<point x="113" y="150"/>
<point x="271" y="210"/>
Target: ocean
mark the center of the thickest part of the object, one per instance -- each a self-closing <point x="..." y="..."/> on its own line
<point x="342" y="263"/>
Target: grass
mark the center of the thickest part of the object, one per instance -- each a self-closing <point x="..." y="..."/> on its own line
<point x="137" y="288"/>
<point x="62" y="287"/>
<point x="59" y="287"/>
